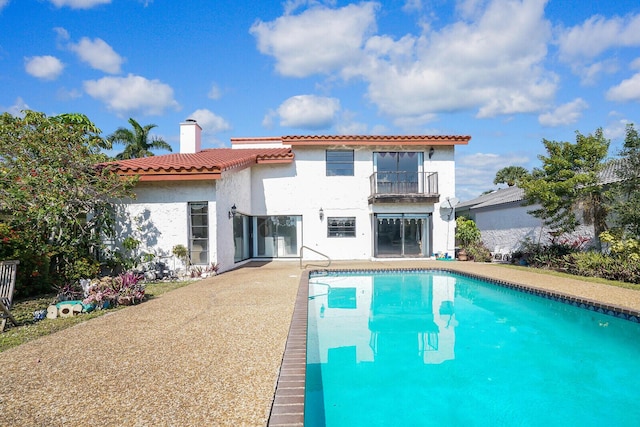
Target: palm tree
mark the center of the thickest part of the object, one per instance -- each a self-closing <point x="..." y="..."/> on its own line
<point x="136" y="141"/>
<point x="510" y="175"/>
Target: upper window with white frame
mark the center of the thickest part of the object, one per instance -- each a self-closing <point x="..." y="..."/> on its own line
<point x="341" y="226"/>
<point x="339" y="162"/>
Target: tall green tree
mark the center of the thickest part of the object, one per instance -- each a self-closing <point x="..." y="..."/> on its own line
<point x="510" y="175"/>
<point x="627" y="191"/>
<point x="53" y="194"/>
<point x="136" y="141"/>
<point x="568" y="182"/>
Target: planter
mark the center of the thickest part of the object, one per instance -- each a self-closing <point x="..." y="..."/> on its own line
<point x="462" y="255"/>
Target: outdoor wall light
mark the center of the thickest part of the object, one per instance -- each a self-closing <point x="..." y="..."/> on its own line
<point x="431" y="151"/>
<point x="321" y="214"/>
<point x="233" y="211"/>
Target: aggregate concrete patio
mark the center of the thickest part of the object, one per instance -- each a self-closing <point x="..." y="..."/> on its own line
<point x="207" y="354"/>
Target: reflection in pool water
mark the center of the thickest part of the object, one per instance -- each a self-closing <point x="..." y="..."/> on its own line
<point x="427" y="348"/>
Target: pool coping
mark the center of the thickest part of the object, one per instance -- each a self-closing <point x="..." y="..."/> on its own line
<point x="288" y="404"/>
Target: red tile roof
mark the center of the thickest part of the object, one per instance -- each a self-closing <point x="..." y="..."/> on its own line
<point x="206" y="164"/>
<point x="363" y="140"/>
<point x="210" y="163"/>
<point x="376" y="140"/>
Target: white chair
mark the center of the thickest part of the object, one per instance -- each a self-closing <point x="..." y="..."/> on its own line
<point x="7" y="285"/>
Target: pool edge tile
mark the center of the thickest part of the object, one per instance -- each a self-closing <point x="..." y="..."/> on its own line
<point x="287" y="407"/>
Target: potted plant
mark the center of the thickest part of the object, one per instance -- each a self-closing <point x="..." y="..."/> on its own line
<point x="181" y="252"/>
<point x="467" y="234"/>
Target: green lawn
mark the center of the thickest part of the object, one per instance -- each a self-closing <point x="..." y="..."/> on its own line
<point x="571" y="276"/>
<point x="30" y="330"/>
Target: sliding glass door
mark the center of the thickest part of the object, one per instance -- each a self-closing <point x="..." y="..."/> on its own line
<point x="277" y="236"/>
<point x="398" y="172"/>
<point x="402" y="235"/>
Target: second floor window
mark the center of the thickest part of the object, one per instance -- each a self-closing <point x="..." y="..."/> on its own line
<point x="339" y="162"/>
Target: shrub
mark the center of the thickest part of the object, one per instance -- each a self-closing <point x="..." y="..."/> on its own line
<point x="628" y="248"/>
<point x="595" y="264"/>
<point x="467" y="232"/>
<point x="478" y="252"/>
<point x="547" y="256"/>
<point x="32" y="276"/>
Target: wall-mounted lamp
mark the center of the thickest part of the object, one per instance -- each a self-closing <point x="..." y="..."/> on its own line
<point x="431" y="151"/>
<point x="233" y="211"/>
<point x="321" y="214"/>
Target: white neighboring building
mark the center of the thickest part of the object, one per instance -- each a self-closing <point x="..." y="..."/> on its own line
<point x="347" y="197"/>
<point x="504" y="221"/>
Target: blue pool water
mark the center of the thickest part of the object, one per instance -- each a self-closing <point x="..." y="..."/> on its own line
<point x="435" y="348"/>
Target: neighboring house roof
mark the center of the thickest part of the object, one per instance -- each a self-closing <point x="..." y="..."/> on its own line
<point x="609" y="174"/>
<point x="502" y="196"/>
<point x="362" y="140"/>
<point x="206" y="164"/>
<point x="498" y="197"/>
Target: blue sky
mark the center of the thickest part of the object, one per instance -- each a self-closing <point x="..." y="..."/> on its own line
<point x="508" y="73"/>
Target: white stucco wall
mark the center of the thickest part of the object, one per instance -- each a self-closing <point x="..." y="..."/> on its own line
<point x="158" y="217"/>
<point x="234" y="188"/>
<point x="505" y="228"/>
<point x="443" y="162"/>
<point x="302" y="188"/>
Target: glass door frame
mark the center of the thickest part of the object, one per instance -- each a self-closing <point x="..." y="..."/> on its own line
<point x="269" y="242"/>
<point x="397" y="237"/>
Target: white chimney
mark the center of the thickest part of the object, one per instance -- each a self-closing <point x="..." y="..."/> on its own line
<point x="190" y="137"/>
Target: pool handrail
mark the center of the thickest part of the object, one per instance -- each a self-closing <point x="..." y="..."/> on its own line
<point x="319" y="253"/>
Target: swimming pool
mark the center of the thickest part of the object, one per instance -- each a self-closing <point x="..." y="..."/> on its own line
<point x="414" y="348"/>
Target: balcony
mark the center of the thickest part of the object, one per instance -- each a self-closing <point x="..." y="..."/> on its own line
<point x="404" y="187"/>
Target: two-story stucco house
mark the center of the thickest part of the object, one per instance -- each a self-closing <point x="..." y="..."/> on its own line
<point x="346" y="197"/>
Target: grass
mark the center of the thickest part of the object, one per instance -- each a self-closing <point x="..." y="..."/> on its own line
<point x="634" y="286"/>
<point x="29" y="329"/>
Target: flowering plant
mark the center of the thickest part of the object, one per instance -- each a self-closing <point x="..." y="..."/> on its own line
<point x="125" y="289"/>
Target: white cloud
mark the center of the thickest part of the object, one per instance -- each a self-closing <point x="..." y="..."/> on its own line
<point x="589" y="73"/>
<point x="566" y="114"/>
<point x="492" y="62"/>
<point x="412" y="124"/>
<point x="79" y="4"/>
<point x="308" y="112"/>
<point x="627" y="90"/>
<point x="470" y="9"/>
<point x="616" y="129"/>
<point x="98" y="54"/>
<point x="474" y="171"/>
<point x="268" y="119"/>
<point x="43" y="67"/>
<point x="65" y="94"/>
<point x="3" y="3"/>
<point x="214" y="92"/>
<point x="319" y="40"/>
<point x="210" y="122"/>
<point x="61" y="33"/>
<point x="17" y="108"/>
<point x="348" y="125"/>
<point x="597" y="34"/>
<point x="132" y="94"/>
